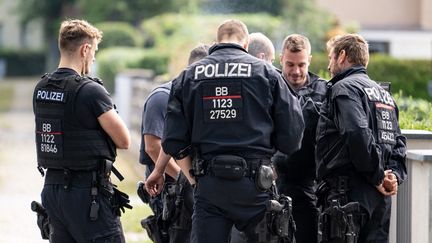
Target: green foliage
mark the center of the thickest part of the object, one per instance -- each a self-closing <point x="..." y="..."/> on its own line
<point x="414" y="113"/>
<point x="131" y="218"/>
<point x="111" y="61"/>
<point x="132" y="11"/>
<point x="411" y="76"/>
<point x="177" y="34"/>
<point x="116" y="34"/>
<point x="23" y="62"/>
<point x="241" y="6"/>
<point x="305" y="17"/>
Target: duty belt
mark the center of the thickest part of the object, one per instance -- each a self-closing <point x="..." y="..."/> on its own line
<point x="252" y="166"/>
<point x="69" y="178"/>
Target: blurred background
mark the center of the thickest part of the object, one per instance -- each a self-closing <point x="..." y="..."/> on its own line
<point x="146" y="42"/>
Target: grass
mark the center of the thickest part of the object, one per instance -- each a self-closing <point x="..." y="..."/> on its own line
<point x="133" y="172"/>
<point x="6" y="95"/>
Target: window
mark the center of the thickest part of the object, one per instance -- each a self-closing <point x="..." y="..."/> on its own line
<point x="379" y="47"/>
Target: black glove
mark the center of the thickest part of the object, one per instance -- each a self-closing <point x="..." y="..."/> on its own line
<point x="142" y="193"/>
<point x="119" y="201"/>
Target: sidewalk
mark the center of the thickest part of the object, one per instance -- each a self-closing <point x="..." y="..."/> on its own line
<point x="20" y="181"/>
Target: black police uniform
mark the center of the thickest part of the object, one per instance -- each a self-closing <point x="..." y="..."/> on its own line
<point x="153" y="119"/>
<point x="358" y="137"/>
<point x="230" y="103"/>
<point x="297" y="173"/>
<point x="71" y="144"/>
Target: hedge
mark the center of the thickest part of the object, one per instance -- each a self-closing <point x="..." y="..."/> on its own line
<point x="411" y="76"/>
<point x="116" y="34"/>
<point x="23" y="62"/>
<point x="111" y="61"/>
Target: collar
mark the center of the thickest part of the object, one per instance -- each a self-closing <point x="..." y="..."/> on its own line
<point x="62" y="71"/>
<point x="221" y="46"/>
<point x="347" y="72"/>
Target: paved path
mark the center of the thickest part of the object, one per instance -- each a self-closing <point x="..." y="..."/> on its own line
<point x="20" y="182"/>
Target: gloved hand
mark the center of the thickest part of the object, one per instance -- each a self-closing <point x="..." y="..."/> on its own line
<point x="120" y="201"/>
<point x="142" y="193"/>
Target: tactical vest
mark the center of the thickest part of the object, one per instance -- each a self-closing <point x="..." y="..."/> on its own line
<point x="61" y="141"/>
<point x="144" y="157"/>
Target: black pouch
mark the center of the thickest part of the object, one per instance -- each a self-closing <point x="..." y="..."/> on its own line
<point x="264" y="177"/>
<point x="228" y="167"/>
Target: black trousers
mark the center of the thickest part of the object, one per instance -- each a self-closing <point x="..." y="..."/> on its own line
<point x="222" y="203"/>
<point x="69" y="209"/>
<point x="305" y="211"/>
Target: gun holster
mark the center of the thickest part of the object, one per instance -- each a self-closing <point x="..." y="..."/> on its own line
<point x="282" y="222"/>
<point x="338" y="222"/>
<point x="42" y="219"/>
<point x="154" y="230"/>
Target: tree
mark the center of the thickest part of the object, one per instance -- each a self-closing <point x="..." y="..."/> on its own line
<point x="242" y="6"/>
<point x="52" y="12"/>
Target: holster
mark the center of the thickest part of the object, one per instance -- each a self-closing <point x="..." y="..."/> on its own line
<point x="338" y="222"/>
<point x="42" y="219"/>
<point x="282" y="222"/>
<point x="156" y="232"/>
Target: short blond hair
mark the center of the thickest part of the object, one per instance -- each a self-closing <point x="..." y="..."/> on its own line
<point x="355" y="46"/>
<point x="232" y="29"/>
<point x="296" y="43"/>
<point x="75" y="32"/>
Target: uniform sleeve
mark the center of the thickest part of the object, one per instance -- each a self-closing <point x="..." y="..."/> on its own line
<point x="154" y="114"/>
<point x="288" y="119"/>
<point x="352" y="123"/>
<point x="176" y="136"/>
<point x="398" y="156"/>
<point x="97" y="98"/>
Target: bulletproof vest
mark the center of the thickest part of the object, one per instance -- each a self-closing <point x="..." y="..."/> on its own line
<point x="144" y="157"/>
<point x="61" y="140"/>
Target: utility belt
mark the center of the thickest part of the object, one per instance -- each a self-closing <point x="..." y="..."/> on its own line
<point x="232" y="167"/>
<point x="99" y="182"/>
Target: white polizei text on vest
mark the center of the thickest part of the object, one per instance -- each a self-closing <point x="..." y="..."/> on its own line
<point x="220" y="70"/>
<point x="49" y="95"/>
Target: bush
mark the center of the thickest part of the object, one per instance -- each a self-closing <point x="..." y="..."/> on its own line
<point x="414" y="113"/>
<point x="23" y="62"/>
<point x="410" y="76"/>
<point x="117" y="34"/>
<point x="111" y="61"/>
<point x="177" y="34"/>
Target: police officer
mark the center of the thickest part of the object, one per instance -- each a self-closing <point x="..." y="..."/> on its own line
<point x="360" y="149"/>
<point x="77" y="133"/>
<point x="233" y="109"/>
<point x="296" y="173"/>
<point x="260" y="46"/>
<point x="153" y="120"/>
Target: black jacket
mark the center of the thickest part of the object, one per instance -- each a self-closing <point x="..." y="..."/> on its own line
<point x="232" y="103"/>
<point x="358" y="134"/>
<point x="301" y="166"/>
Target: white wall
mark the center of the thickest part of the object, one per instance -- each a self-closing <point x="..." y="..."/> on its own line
<point x="404" y="44"/>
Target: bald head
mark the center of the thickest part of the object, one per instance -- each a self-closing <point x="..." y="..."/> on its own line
<point x="260" y="46"/>
<point x="233" y="31"/>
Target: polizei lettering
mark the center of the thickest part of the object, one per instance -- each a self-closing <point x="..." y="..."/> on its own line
<point x="223" y="70"/>
<point x="379" y="95"/>
<point x="49" y="95"/>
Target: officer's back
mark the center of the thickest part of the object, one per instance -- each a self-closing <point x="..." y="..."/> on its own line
<point x="234" y="110"/>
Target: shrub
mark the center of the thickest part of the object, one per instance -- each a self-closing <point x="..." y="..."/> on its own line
<point x="414" y="113"/>
<point x="177" y="34"/>
<point x="23" y="62"/>
<point x="111" y="61"/>
<point x="116" y="34"/>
